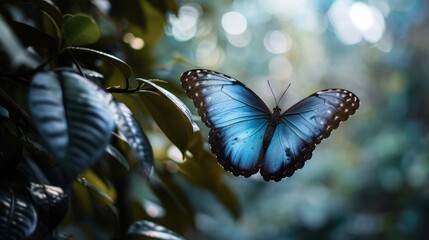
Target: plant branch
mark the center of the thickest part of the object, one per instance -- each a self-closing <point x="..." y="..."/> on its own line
<point x="14" y="107"/>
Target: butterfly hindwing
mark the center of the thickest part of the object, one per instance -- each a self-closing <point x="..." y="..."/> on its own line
<point x="245" y="136"/>
<point x="302" y="127"/>
<point x="236" y="116"/>
<point x="238" y="147"/>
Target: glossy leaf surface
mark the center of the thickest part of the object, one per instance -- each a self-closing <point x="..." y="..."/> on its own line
<point x="74" y="121"/>
<point x="80" y="29"/>
<point x="161" y="103"/>
<point x="112" y="151"/>
<point x="135" y="137"/>
<point x="52" y="205"/>
<point x="118" y="63"/>
<point x="152" y="231"/>
<point x="18" y="218"/>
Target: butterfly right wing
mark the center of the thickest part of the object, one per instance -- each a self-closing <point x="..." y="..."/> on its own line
<point x="237" y="117"/>
<point x="302" y="127"/>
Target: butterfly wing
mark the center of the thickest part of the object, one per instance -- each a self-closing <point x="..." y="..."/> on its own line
<point x="237" y="117"/>
<point x="302" y="127"/>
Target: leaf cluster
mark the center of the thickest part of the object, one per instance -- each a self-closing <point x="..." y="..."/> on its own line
<point x="76" y="127"/>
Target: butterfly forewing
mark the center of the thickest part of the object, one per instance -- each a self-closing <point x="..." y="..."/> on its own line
<point x="302" y="127"/>
<point x="237" y="117"/>
<point x="246" y="136"/>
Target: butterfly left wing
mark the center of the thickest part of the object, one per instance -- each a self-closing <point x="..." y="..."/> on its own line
<point x="238" y="118"/>
<point x="302" y="127"/>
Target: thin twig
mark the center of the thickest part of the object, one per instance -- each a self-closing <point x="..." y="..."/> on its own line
<point x="12" y="105"/>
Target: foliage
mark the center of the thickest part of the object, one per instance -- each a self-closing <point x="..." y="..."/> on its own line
<point x="74" y="124"/>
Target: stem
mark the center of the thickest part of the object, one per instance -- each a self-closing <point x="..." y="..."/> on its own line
<point x="12" y="105"/>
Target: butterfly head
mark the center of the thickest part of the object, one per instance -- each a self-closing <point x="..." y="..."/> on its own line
<point x="277" y="109"/>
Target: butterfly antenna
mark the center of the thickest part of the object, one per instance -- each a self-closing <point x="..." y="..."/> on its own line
<point x="284" y="92"/>
<point x="271" y="89"/>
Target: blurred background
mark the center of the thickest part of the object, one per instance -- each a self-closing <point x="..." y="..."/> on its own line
<point x="370" y="179"/>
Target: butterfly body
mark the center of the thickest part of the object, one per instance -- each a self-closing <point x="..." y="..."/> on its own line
<point x="247" y="137"/>
<point x="274" y="121"/>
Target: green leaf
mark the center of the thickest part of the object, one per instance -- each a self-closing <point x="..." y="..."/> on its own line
<point x="201" y="166"/>
<point x="10" y="148"/>
<point x="174" y="199"/>
<point x="92" y="182"/>
<point x="228" y="198"/>
<point x="171" y="115"/>
<point x="134" y="136"/>
<point x="133" y="9"/>
<point x="17" y="56"/>
<point x="80" y="29"/>
<point x="4" y="113"/>
<point x="118" y="63"/>
<point x="150" y="230"/>
<point x="51" y="204"/>
<point x="165" y="6"/>
<point x="51" y="10"/>
<point x="18" y="218"/>
<point x="112" y="151"/>
<point x="72" y="117"/>
<point x="38" y="152"/>
<point x="202" y="169"/>
<point x="53" y="13"/>
<point x="31" y="36"/>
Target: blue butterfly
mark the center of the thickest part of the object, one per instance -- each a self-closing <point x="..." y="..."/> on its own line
<point x="247" y="137"/>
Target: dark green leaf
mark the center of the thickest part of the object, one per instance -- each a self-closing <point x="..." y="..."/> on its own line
<point x="179" y="104"/>
<point x="51" y="203"/>
<point x="152" y="231"/>
<point x="118" y="63"/>
<point x="74" y="121"/>
<point x="38" y="152"/>
<point x="228" y="198"/>
<point x="18" y="218"/>
<point x="10" y="149"/>
<point x="132" y="8"/>
<point x="94" y="188"/>
<point x="171" y="192"/>
<point x="80" y="29"/>
<point x="202" y="171"/>
<point x="201" y="167"/>
<point x="134" y="136"/>
<point x="31" y="36"/>
<point x="165" y="6"/>
<point x="4" y="112"/>
<point x="93" y="76"/>
<point x="118" y="156"/>
<point x="10" y="45"/>
<point x="51" y="10"/>
<point x="178" y="126"/>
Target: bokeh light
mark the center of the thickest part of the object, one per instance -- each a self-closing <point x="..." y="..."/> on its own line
<point x="356" y="21"/>
<point x="280" y="68"/>
<point x="277" y="42"/>
<point x="184" y="27"/>
<point x="375" y="48"/>
<point x="361" y="16"/>
<point x="133" y="41"/>
<point x="234" y="23"/>
<point x="241" y="40"/>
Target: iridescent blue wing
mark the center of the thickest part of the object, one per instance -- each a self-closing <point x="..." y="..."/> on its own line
<point x="237" y="117"/>
<point x="302" y="127"/>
